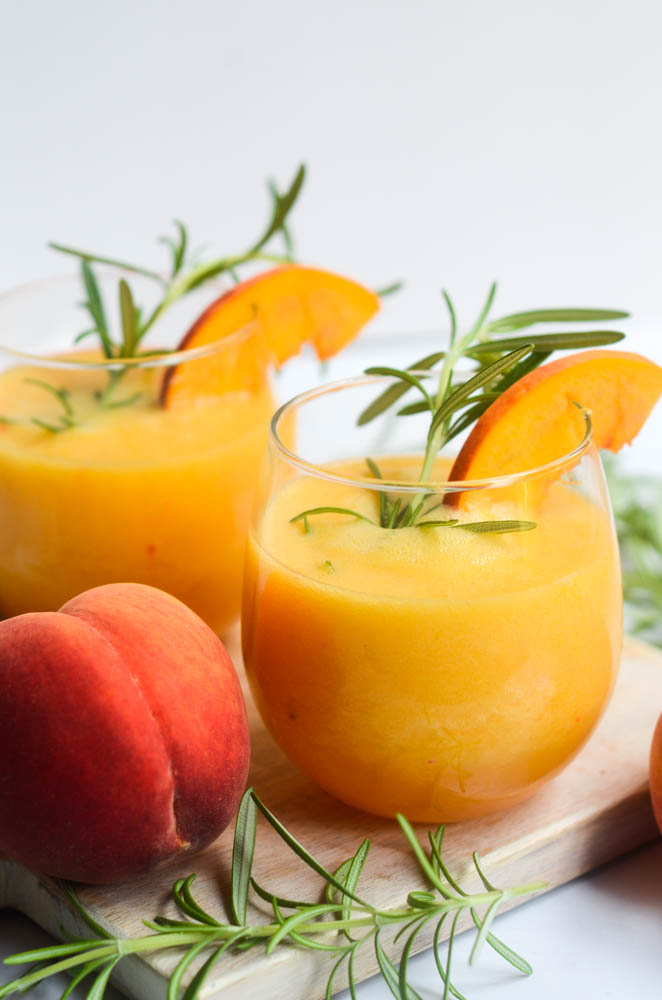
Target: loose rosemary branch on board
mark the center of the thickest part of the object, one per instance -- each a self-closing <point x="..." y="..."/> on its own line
<point x="637" y="503"/>
<point x="500" y="360"/>
<point x="341" y="924"/>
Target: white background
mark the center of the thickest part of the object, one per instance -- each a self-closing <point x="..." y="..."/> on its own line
<point x="447" y="143"/>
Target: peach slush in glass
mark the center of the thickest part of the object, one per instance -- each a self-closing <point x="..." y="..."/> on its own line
<point x="443" y="669"/>
<point x="139" y="468"/>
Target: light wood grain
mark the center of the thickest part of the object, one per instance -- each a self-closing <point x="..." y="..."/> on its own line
<point x="596" y="810"/>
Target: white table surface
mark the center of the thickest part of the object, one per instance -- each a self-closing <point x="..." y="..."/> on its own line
<point x="448" y="143"/>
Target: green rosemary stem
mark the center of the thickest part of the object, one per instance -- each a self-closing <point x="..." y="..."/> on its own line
<point x="187" y="282"/>
<point x="184" y="275"/>
<point x="438" y="440"/>
<point x="113" y="948"/>
<point x="32" y="978"/>
<point x="150" y="942"/>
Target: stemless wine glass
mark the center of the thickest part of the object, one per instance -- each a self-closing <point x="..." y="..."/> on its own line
<point x="443" y="671"/>
<point x="140" y="469"/>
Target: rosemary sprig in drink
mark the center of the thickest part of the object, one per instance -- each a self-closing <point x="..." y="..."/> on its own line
<point x="341" y="924"/>
<point x="456" y="401"/>
<point x="185" y="274"/>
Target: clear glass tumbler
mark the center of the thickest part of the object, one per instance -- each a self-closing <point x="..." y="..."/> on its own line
<point x="132" y="469"/>
<point x="443" y="671"/>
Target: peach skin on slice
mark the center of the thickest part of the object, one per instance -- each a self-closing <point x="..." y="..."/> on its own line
<point x="285" y="308"/>
<point x="536" y="421"/>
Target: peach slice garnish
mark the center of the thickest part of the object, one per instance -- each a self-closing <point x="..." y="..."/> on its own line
<point x="288" y="306"/>
<point x="536" y="420"/>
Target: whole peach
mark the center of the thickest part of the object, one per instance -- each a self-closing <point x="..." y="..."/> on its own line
<point x="656" y="773"/>
<point x="123" y="735"/>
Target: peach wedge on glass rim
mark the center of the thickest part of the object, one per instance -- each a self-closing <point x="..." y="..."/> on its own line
<point x="287" y="307"/>
<point x="537" y="420"/>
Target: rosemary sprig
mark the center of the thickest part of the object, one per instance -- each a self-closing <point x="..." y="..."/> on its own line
<point x="304" y="515"/>
<point x="396" y="516"/>
<point x="341" y="924"/>
<point x="458" y="401"/>
<point x="482" y="344"/>
<point x="63" y="397"/>
<point x="184" y="273"/>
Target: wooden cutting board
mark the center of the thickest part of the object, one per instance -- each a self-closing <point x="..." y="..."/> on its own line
<point x="596" y="810"/>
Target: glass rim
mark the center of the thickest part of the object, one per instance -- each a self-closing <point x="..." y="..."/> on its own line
<point x="155" y="359"/>
<point x="433" y="486"/>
